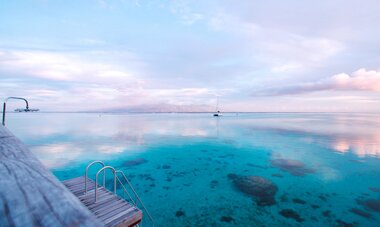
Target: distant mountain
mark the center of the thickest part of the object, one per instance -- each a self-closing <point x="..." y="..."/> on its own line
<point x="160" y="108"/>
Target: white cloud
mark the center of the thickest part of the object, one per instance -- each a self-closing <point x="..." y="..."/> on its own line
<point x="281" y="51"/>
<point x="79" y="82"/>
<point x="82" y="67"/>
<point x="57" y="155"/>
<point x="185" y="12"/>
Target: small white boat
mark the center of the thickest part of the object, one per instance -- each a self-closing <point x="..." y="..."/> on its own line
<point x="217" y="112"/>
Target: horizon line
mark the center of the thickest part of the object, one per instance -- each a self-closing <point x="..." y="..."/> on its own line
<point x="195" y="112"/>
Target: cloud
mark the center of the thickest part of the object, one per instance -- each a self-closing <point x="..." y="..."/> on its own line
<point x="87" y="81"/>
<point x="184" y="12"/>
<point x="87" y="67"/>
<point x="57" y="154"/>
<point x="281" y="51"/>
<point x="360" y="80"/>
<point x="141" y="54"/>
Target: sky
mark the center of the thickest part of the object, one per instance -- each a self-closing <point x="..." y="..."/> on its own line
<point x="179" y="56"/>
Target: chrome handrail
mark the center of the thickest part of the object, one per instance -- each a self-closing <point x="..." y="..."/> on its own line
<point x="5" y="106"/>
<point x="125" y="190"/>
<point x="116" y="178"/>
<point x="134" y="192"/>
<point x="86" y="174"/>
<point x="96" y="179"/>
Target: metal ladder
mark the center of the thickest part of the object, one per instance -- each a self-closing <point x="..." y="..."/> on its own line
<point x="136" y="202"/>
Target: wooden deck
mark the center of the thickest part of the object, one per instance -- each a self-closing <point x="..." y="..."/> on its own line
<point x="30" y="195"/>
<point x="110" y="209"/>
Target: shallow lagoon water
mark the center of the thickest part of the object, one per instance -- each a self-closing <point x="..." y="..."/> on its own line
<point x="186" y="167"/>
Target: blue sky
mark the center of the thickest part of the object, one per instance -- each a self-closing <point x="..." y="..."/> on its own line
<point x="179" y="55"/>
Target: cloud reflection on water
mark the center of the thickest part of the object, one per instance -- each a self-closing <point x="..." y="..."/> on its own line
<point x="355" y="133"/>
<point x="362" y="147"/>
<point x="63" y="138"/>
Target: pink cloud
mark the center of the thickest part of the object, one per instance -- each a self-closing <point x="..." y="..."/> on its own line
<point x="360" y="80"/>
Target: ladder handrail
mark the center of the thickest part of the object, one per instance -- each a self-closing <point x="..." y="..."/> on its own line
<point x="86" y="174"/>
<point x="5" y="106"/>
<point x="125" y="190"/>
<point x="114" y="179"/>
<point x="134" y="192"/>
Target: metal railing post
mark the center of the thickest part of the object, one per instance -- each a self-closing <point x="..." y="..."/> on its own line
<point x="4" y="109"/>
<point x="115" y="179"/>
<point x="86" y="174"/>
<point x="5" y="106"/>
<point x="137" y="197"/>
<point x="96" y="179"/>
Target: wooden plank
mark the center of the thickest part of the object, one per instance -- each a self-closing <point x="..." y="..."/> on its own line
<point x="101" y="203"/>
<point x="90" y="201"/>
<point x="79" y="184"/>
<point x="30" y="195"/>
<point x="78" y="180"/>
<point x="128" y="220"/>
<point x="89" y="197"/>
<point x="108" y="206"/>
<point x="118" y="215"/>
<point x="77" y="187"/>
<point x="105" y="204"/>
<point x="112" y="212"/>
<point x="80" y="190"/>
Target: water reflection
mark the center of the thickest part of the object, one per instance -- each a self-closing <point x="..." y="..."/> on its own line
<point x="343" y="133"/>
<point x="362" y="147"/>
<point x="75" y="135"/>
<point x="316" y="161"/>
<point x="57" y="155"/>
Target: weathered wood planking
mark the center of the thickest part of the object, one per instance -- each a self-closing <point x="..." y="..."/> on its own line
<point x="30" y="195"/>
<point x="110" y="209"/>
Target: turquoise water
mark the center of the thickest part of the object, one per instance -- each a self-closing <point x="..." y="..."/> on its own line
<point x="196" y="170"/>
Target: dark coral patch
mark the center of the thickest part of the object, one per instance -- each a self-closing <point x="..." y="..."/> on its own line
<point x="299" y="201"/>
<point x="341" y="223"/>
<point x="180" y="213"/>
<point x="135" y="162"/>
<point x="277" y="175"/>
<point x="360" y="212"/>
<point x="289" y="213"/>
<point x="227" y="219"/>
<point x="232" y="176"/>
<point x="261" y="189"/>
<point x="256" y="166"/>
<point x="322" y="198"/>
<point x="214" y="183"/>
<point x="284" y="198"/>
<point x="370" y="204"/>
<point x="293" y="167"/>
<point x="326" y="213"/>
<point x="166" y="167"/>
<point x="374" y="189"/>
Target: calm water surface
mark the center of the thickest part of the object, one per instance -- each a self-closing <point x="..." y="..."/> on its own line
<point x="197" y="170"/>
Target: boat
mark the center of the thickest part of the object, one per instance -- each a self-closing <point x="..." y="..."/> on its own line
<point x="217" y="112"/>
<point x="26" y="110"/>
